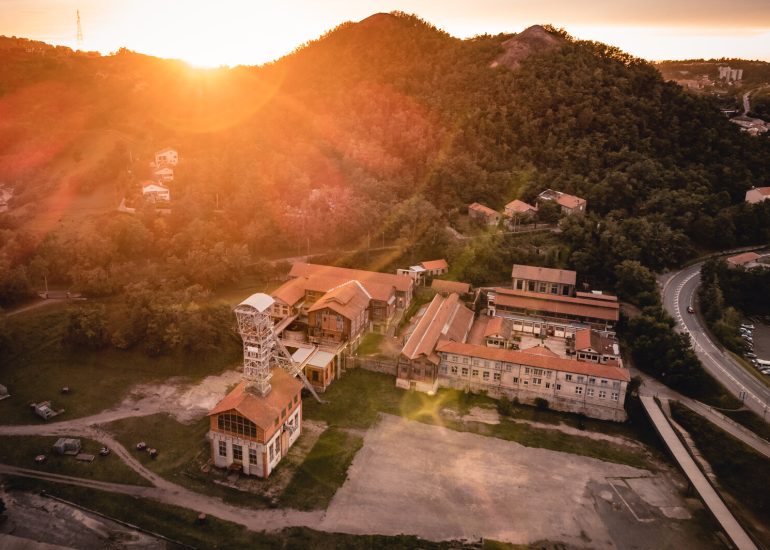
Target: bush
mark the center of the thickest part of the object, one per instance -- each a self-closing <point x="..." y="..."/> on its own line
<point x="504" y="406"/>
<point x="541" y="404"/>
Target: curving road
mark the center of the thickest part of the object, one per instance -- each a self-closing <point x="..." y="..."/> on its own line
<point x="679" y="292"/>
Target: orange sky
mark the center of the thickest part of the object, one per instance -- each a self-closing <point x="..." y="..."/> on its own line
<point x="233" y="32"/>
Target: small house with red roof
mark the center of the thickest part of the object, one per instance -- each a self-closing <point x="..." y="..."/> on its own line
<point x="251" y="433"/>
<point x="570" y="204"/>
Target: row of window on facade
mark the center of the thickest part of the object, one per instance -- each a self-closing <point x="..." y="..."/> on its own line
<point x="535" y="286"/>
<point x="536" y="380"/>
<point x="273" y="451"/>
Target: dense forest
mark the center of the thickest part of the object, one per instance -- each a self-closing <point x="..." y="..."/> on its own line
<point x="382" y="131"/>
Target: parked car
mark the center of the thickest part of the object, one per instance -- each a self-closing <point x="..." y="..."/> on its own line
<point x="749" y="327"/>
<point x="690" y="309"/>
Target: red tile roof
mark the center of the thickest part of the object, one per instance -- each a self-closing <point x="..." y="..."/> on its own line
<point x="534" y="360"/>
<point x="291" y="292"/>
<point x="498" y="326"/>
<point x="547" y="274"/>
<point x="261" y="410"/>
<point x="439" y="285"/>
<point x="551" y="303"/>
<point x="435" y="264"/>
<point x="402" y="283"/>
<point x="445" y="318"/>
<point x="569" y="201"/>
<point x="348" y="299"/>
<point x="519" y="207"/>
<point x="593" y="296"/>
<point x="540" y="350"/>
<point x="483" y="209"/>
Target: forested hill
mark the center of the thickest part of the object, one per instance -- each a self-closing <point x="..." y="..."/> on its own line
<point x="384" y="127"/>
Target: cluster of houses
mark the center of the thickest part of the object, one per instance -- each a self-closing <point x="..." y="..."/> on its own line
<point x="539" y="340"/>
<point x="156" y="190"/>
<point x="521" y="211"/>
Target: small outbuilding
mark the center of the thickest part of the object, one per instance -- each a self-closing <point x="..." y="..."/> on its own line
<point x="67" y="446"/>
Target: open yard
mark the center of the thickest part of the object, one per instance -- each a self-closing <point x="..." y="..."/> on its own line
<point x="438" y="483"/>
<point x="38" y="367"/>
<point x="356" y="400"/>
<point x="21" y="451"/>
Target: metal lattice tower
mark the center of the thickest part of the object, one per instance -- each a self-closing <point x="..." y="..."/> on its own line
<point x="256" y="329"/>
<point x="261" y="348"/>
<point x="80" y="31"/>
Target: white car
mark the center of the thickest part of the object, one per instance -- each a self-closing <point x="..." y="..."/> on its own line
<point x="748" y="327"/>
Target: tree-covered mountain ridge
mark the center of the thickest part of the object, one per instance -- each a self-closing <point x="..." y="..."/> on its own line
<point x="388" y="127"/>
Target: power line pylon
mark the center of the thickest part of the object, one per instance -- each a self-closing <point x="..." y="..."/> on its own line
<point x="80" y="31"/>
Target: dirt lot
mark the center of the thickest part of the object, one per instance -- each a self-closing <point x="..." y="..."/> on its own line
<point x="440" y="484"/>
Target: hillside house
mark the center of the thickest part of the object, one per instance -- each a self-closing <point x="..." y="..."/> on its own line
<point x="757" y="194"/>
<point x="250" y="432"/>
<point x="570" y="204"/>
<point x="543" y="280"/>
<point x="521" y="209"/>
<point x="166" y="157"/>
<point x="415" y="272"/>
<point x="478" y="211"/>
<point x="164" y="175"/>
<point x="446" y="318"/>
<point x="154" y="192"/>
<point x="341" y="315"/>
<point x="746" y="259"/>
<point x="435" y="268"/>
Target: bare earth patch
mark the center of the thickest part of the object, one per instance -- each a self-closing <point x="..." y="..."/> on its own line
<point x="440" y="484"/>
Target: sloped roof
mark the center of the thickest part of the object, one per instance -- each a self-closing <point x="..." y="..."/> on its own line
<point x="498" y="326"/>
<point x="348" y="299"/>
<point x="535" y="360"/>
<point x="291" y="292"/>
<point x="445" y="318"/>
<point x="440" y="285"/>
<point x="552" y="303"/>
<point x="595" y="296"/>
<point x="547" y="274"/>
<point x="569" y="201"/>
<point x="587" y="338"/>
<point x="261" y="410"/>
<point x="152" y="186"/>
<point x="166" y="150"/>
<point x="402" y="283"/>
<point x="520" y="207"/>
<point x="487" y="211"/>
<point x="259" y="301"/>
<point x="540" y="350"/>
<point x="435" y="264"/>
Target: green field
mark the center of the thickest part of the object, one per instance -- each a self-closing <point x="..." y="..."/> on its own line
<point x="323" y="471"/>
<point x="21" y="451"/>
<point x="38" y="366"/>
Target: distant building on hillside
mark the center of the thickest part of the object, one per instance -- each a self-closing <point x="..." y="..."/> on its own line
<point x="543" y="280"/>
<point x="478" y="211"/>
<point x="570" y="204"/>
<point x="166" y="157"/>
<point x="154" y="192"/>
<point x="730" y="75"/>
<point x="164" y="174"/>
<point x="519" y="208"/>
<point x="746" y="259"/>
<point x="757" y="194"/>
<point x="423" y="271"/>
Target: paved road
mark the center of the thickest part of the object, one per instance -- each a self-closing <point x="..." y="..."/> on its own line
<point x="710" y="497"/>
<point x="679" y="291"/>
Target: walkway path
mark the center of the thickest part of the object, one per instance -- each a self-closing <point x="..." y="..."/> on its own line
<point x="710" y="497"/>
<point x="651" y="387"/>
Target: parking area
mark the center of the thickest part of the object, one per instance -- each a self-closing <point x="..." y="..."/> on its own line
<point x="761" y="336"/>
<point x="442" y="484"/>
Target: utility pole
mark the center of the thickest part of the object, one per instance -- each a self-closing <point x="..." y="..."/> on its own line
<point x="80" y="31"/>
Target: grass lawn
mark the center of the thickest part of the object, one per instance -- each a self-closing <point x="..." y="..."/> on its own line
<point x="21" y="450"/>
<point x="751" y="420"/>
<point x="357" y="398"/>
<point x="182" y="450"/>
<point x="370" y="344"/>
<point x="37" y="367"/>
<point x="323" y="471"/>
<point x="179" y="524"/>
<point x="742" y="472"/>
